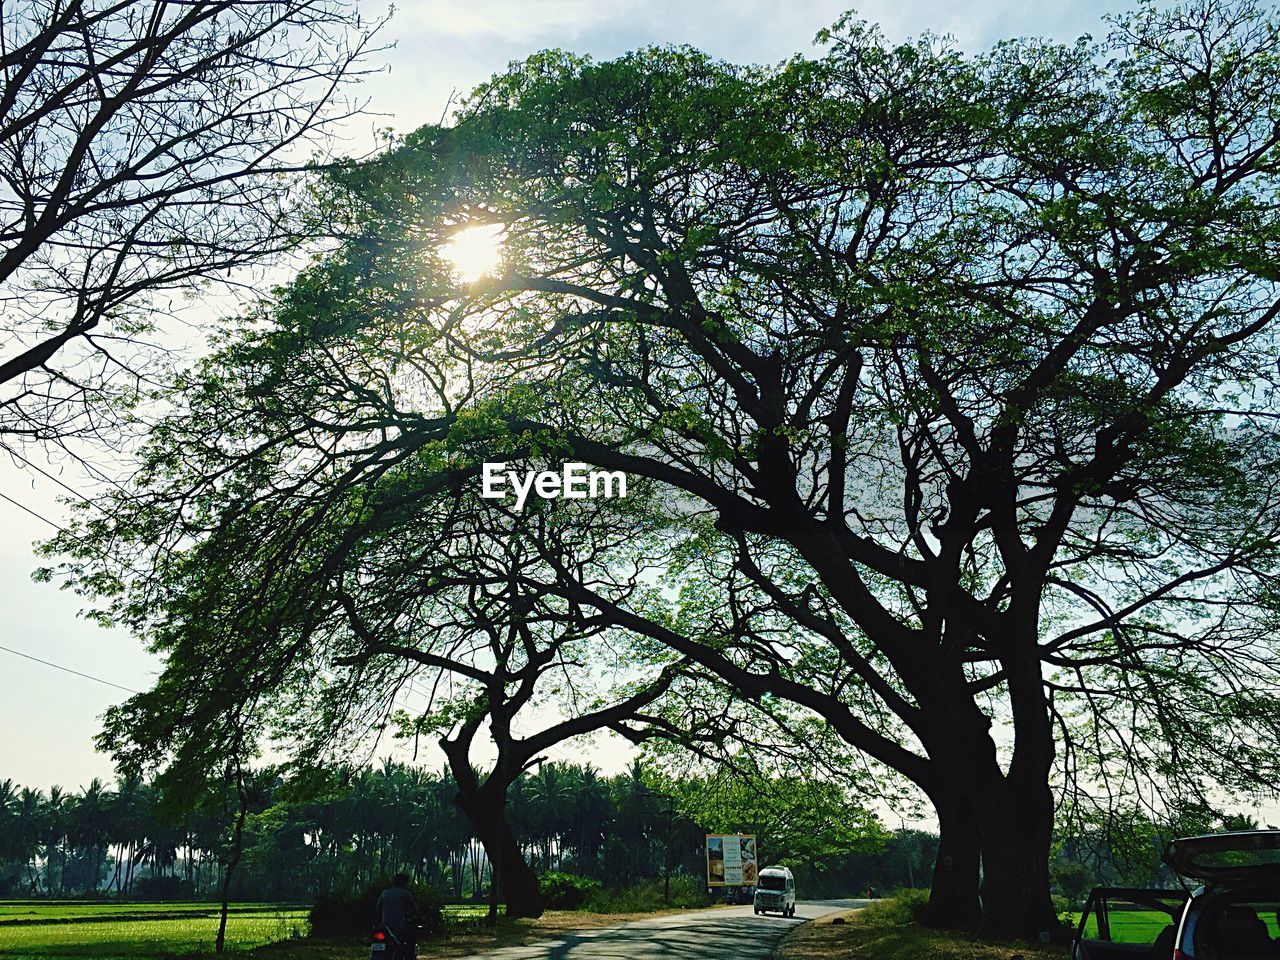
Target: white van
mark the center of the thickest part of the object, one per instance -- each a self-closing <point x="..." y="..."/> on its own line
<point x="776" y="891"/>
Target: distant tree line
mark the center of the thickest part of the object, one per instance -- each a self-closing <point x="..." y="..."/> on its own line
<point x="346" y="828"/>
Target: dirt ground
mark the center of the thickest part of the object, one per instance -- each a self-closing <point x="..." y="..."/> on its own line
<point x="846" y="936"/>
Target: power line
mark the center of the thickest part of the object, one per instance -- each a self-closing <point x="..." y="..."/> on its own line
<point x="58" y="666"/>
<point x="38" y="516"/>
<point x="60" y="482"/>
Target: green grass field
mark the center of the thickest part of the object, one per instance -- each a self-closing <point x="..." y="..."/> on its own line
<point x="47" y="930"/>
<point x="131" y="931"/>
<point x="1143" y="926"/>
<point x="462" y="912"/>
<point x="1130" y="926"/>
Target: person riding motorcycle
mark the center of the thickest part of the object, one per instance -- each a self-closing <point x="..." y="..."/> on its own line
<point x="398" y="912"/>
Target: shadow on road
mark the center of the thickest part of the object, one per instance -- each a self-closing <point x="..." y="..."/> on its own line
<point x="741" y="937"/>
<point x="711" y="935"/>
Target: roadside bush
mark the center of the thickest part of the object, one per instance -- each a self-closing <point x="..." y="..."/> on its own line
<point x="907" y="905"/>
<point x="566" y="891"/>
<point x="351" y="914"/>
<point x="162" y="888"/>
<point x="647" y="896"/>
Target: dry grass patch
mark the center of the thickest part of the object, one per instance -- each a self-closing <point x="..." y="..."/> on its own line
<point x="851" y="936"/>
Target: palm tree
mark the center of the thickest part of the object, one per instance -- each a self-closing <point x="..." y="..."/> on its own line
<point x="8" y="834"/>
<point x="53" y="835"/>
<point x="592" y="815"/>
<point x="551" y="808"/>
<point x="31" y="809"/>
<point x="91" y="828"/>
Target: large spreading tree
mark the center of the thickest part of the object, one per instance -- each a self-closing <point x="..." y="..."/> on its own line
<point x="946" y="384"/>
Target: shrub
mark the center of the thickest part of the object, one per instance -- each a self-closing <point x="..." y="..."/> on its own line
<point x="903" y="906"/>
<point x="1064" y="910"/>
<point x="162" y="888"/>
<point x="351" y="914"/>
<point x="566" y="891"/>
<point x="1073" y="880"/>
<point x="647" y="896"/>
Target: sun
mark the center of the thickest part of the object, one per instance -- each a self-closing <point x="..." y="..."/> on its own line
<point x="475" y="252"/>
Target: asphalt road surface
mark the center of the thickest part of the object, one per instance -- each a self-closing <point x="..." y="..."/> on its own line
<point x="731" y="933"/>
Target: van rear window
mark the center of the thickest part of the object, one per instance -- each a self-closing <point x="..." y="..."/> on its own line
<point x="771" y="881"/>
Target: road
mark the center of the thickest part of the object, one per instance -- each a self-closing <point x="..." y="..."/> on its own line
<point x="731" y="933"/>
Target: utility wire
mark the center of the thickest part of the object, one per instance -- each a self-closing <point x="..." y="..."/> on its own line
<point x="60" y="482"/>
<point x="58" y="666"/>
<point x="38" y="516"/>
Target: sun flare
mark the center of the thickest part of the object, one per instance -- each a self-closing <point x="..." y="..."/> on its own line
<point x="475" y="252"/>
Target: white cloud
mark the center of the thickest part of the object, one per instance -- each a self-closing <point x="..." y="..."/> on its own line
<point x="508" y="21"/>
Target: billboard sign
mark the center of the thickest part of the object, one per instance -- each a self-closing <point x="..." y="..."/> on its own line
<point x="731" y="860"/>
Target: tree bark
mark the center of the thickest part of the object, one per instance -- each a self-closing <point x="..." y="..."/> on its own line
<point x="954" y="902"/>
<point x="237" y="849"/>
<point x="486" y="810"/>
<point x="1017" y="829"/>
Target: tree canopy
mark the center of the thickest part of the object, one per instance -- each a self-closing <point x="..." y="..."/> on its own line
<point x="946" y="383"/>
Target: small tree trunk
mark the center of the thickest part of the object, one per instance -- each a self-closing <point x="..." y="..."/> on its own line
<point x="495" y="878"/>
<point x="237" y="848"/>
<point x="115" y="877"/>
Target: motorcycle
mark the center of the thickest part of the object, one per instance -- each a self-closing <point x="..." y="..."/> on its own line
<point x="385" y="945"/>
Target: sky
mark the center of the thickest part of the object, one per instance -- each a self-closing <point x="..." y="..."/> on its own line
<point x="442" y="47"/>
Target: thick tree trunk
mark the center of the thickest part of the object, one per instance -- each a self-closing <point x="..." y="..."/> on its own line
<point x="954" y="902"/>
<point x="1017" y="831"/>
<point x="486" y="810"/>
<point x="1016" y="813"/>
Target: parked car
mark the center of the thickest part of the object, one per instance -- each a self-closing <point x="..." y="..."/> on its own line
<point x="1231" y="916"/>
<point x="776" y="892"/>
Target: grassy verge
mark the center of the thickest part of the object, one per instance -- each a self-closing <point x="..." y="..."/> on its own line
<point x="129" y="933"/>
<point x="873" y="935"/>
<point x="38" y="912"/>
<point x="185" y="931"/>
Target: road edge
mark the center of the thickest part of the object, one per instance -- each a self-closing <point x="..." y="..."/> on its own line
<point x="825" y="918"/>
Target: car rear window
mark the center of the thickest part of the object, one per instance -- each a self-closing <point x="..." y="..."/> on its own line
<point x="1240" y="928"/>
<point x="1253" y="854"/>
<point x="1223" y="861"/>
